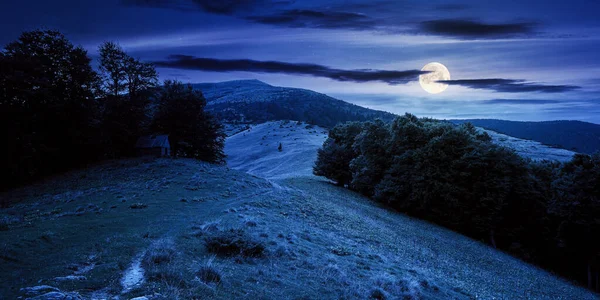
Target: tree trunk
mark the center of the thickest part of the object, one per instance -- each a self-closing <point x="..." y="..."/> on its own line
<point x="492" y="238"/>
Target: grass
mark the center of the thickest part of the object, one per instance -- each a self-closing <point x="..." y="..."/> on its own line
<point x="209" y="274"/>
<point x="308" y="240"/>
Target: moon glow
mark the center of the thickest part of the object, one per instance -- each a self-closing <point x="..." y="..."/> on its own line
<point x="429" y="81"/>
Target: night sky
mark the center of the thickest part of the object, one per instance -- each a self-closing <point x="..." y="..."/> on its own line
<point x="515" y="60"/>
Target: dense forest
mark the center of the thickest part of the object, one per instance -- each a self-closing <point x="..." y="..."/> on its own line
<point x="577" y="136"/>
<point x="57" y="112"/>
<point x="544" y="212"/>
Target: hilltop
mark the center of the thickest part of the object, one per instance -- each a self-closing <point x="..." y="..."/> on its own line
<point x="529" y="148"/>
<point x="253" y="101"/>
<point x="576" y="136"/>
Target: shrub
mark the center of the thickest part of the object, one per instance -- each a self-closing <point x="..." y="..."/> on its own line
<point x="138" y="206"/>
<point x="209" y="274"/>
<point x="233" y="242"/>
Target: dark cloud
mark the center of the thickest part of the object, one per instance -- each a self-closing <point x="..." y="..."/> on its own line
<point x="222" y="7"/>
<point x="317" y="19"/>
<point x="475" y="30"/>
<point x="451" y="7"/>
<point x="382" y="16"/>
<point x="220" y="65"/>
<point x="510" y="85"/>
<point x="519" y="101"/>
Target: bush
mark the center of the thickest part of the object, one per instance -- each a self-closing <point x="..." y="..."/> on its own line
<point x="233" y="242"/>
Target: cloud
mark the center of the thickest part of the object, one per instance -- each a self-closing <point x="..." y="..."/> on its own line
<point x="451" y="7"/>
<point x="475" y="30"/>
<point x="510" y="85"/>
<point x="317" y="19"/>
<point x="221" y="65"/>
<point x="382" y="16"/>
<point x="222" y="7"/>
<point x="519" y="101"/>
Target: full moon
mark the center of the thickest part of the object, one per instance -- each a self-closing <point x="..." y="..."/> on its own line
<point x="429" y="81"/>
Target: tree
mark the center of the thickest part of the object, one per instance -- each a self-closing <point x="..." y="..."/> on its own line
<point x="192" y="131"/>
<point x="577" y="205"/>
<point x="129" y="84"/>
<point x="112" y="68"/>
<point x="333" y="160"/>
<point x="48" y="105"/>
<point x="368" y="168"/>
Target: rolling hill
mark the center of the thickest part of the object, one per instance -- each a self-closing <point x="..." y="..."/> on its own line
<point x="255" y="150"/>
<point x="576" y="136"/>
<point x="529" y="148"/>
<point x="253" y="101"/>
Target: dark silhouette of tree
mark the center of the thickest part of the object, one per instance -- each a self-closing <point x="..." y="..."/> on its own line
<point x="577" y="206"/>
<point x="333" y="160"/>
<point x="192" y="131"/>
<point x="129" y="85"/>
<point x="112" y="68"/>
<point x="47" y="104"/>
<point x="370" y="165"/>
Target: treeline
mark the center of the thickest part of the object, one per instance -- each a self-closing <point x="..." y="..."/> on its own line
<point x="57" y="112"/>
<point x="547" y="213"/>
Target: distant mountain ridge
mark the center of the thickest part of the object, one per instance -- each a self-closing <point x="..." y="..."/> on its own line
<point x="576" y="136"/>
<point x="253" y="101"/>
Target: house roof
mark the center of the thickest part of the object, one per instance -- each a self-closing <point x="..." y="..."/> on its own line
<point x="153" y="141"/>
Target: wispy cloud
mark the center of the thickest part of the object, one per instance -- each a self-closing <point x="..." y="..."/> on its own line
<point x="519" y="101"/>
<point x="222" y="7"/>
<point x="474" y="29"/>
<point x="351" y="16"/>
<point x="221" y="65"/>
<point x="317" y="19"/>
<point x="510" y="85"/>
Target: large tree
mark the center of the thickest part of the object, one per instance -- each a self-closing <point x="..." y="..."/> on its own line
<point x="576" y="204"/>
<point x="192" y="131"/>
<point x="333" y="160"/>
<point x="128" y="85"/>
<point x="47" y="104"/>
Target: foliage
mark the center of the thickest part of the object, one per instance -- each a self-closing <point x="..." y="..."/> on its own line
<point x="192" y="131"/>
<point x="128" y="86"/>
<point x="57" y="113"/>
<point x="453" y="175"/>
<point x="333" y="160"/>
<point x="47" y="106"/>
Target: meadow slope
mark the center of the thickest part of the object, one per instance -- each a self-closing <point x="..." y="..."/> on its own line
<point x="148" y="227"/>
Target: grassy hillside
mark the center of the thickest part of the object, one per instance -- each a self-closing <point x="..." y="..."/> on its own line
<point x="530" y="148"/>
<point x="577" y="136"/>
<point x="253" y="101"/>
<point x="256" y="150"/>
<point x="148" y="228"/>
